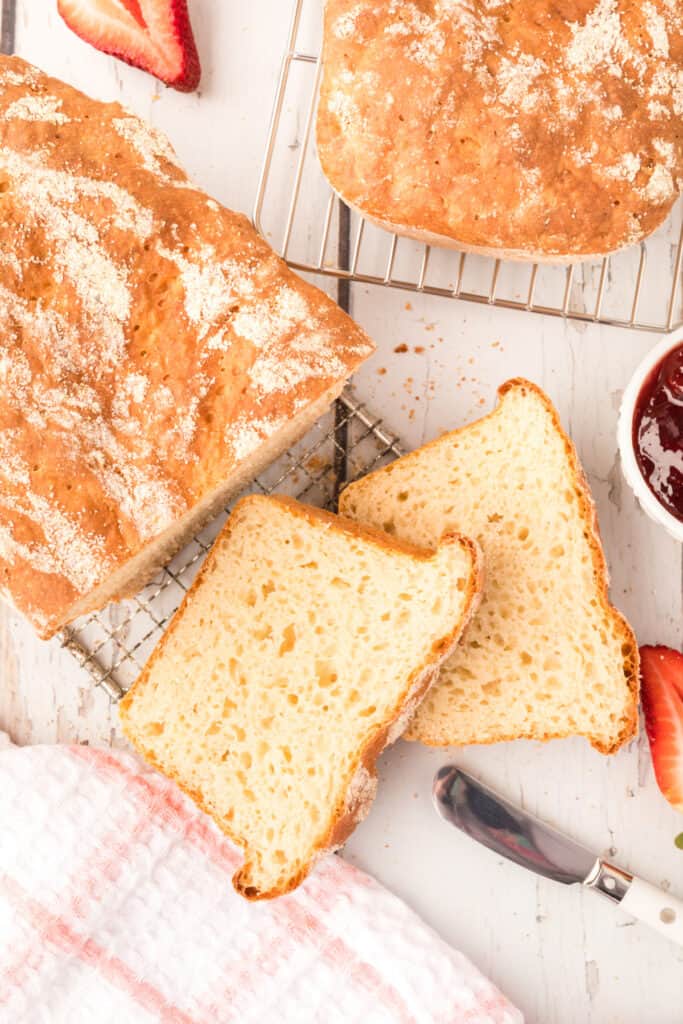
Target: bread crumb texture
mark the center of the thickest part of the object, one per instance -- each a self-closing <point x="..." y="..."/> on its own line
<point x="300" y="651"/>
<point x="546" y="655"/>
<point x="152" y="343"/>
<point x="537" y="128"/>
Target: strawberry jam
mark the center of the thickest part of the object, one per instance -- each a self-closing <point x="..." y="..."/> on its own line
<point x="658" y="432"/>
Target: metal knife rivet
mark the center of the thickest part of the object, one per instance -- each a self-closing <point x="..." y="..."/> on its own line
<point x="668" y="916"/>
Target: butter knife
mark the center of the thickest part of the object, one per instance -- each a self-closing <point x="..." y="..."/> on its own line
<point x="511" y="832"/>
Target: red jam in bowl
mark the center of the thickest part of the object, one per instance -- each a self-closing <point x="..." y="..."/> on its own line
<point x="658" y="432"/>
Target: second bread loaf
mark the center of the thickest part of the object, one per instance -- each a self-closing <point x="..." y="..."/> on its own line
<point x="530" y="129"/>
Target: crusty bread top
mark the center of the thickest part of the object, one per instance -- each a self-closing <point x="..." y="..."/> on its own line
<point x="299" y="653"/>
<point x="151" y="341"/>
<point x="537" y="128"/>
<point x="546" y="655"/>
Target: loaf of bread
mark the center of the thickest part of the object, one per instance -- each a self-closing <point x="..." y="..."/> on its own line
<point x="527" y="129"/>
<point x="155" y="353"/>
<point x="299" y="653"/>
<point x="546" y="656"/>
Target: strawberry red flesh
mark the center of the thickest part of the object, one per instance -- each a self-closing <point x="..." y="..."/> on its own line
<point x="134" y="7"/>
<point x="154" y="35"/>
<point x="662" y="695"/>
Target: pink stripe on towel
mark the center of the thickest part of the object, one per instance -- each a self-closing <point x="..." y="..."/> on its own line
<point x="116" y="905"/>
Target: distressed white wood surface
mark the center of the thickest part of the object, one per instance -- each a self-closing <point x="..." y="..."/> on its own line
<point x="565" y="957"/>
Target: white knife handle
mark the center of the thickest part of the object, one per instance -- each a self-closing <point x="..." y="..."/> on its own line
<point x="661" y="910"/>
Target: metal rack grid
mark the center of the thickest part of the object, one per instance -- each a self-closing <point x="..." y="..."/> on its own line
<point x="114" y="644"/>
<point x="298" y="212"/>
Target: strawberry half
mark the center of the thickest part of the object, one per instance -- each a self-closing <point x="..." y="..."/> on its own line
<point x="662" y="695"/>
<point x="154" y="35"/>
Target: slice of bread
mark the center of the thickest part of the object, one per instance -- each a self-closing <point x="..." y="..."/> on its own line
<point x="546" y="656"/>
<point x="300" y="652"/>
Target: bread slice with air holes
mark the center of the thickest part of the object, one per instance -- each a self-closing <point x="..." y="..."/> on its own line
<point x="300" y="652"/>
<point x="546" y="656"/>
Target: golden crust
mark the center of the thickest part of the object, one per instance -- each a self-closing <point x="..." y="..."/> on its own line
<point x="151" y="344"/>
<point x="600" y="576"/>
<point x="526" y="129"/>
<point x="349" y="811"/>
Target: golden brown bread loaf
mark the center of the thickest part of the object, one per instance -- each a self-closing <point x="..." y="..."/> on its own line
<point x="533" y="129"/>
<point x="154" y="353"/>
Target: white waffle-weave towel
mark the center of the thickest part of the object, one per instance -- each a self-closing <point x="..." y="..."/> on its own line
<point x="116" y="906"/>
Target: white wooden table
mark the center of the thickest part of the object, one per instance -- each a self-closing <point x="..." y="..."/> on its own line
<point x="563" y="956"/>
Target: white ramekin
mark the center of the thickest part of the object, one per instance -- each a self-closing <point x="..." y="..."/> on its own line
<point x="630" y="467"/>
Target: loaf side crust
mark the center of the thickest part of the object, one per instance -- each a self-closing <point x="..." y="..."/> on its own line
<point x="531" y="255"/>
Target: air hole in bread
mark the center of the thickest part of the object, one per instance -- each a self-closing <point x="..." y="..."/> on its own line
<point x="288" y="640"/>
<point x="326" y="674"/>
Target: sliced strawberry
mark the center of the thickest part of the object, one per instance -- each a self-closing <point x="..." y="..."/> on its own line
<point x="154" y="35"/>
<point x="662" y="695"/>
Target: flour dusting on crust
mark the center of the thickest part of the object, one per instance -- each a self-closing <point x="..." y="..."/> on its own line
<point x="150" y="343"/>
<point x="37" y="108"/>
<point x="513" y="126"/>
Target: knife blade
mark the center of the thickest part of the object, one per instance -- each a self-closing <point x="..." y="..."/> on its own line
<point x="483" y="815"/>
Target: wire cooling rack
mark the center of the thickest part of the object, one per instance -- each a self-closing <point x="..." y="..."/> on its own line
<point x="297" y="211"/>
<point x="114" y="644"/>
